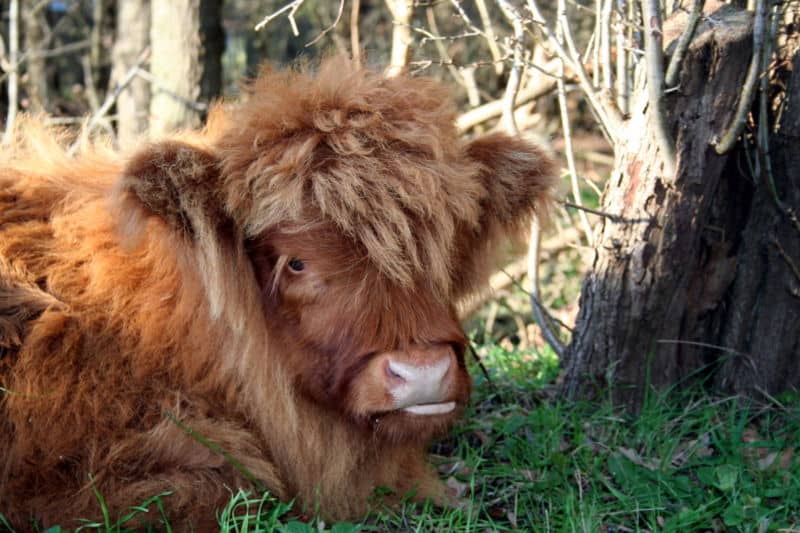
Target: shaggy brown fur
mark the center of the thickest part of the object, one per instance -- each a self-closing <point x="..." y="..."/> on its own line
<point x="163" y="283"/>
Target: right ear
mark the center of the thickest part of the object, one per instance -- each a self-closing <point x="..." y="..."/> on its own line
<point x="518" y="178"/>
<point x="171" y="180"/>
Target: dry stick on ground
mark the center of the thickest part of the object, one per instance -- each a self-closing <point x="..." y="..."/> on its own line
<point x="655" y="84"/>
<point x="355" y="45"/>
<point x="729" y="138"/>
<point x="13" y="77"/>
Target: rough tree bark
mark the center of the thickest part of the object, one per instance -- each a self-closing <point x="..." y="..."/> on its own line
<point x="133" y="36"/>
<point x="174" y="65"/>
<point x="692" y="257"/>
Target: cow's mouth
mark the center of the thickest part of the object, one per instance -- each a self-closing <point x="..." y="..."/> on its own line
<point x="426" y="409"/>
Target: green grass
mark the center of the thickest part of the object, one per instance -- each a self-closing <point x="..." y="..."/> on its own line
<point x="529" y="461"/>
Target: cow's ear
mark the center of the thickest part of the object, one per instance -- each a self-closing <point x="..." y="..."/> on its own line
<point x="518" y="178"/>
<point x="174" y="181"/>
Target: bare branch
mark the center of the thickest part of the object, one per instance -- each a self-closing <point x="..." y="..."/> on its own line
<point x="431" y="16"/>
<point x="605" y="46"/>
<point x="292" y="8"/>
<point x="671" y="79"/>
<point x="515" y="76"/>
<point x="355" y="45"/>
<point x="609" y="116"/>
<point x="329" y="28"/>
<point x="109" y="101"/>
<point x="491" y="38"/>
<point x="481" y="114"/>
<point x="655" y="83"/>
<point x="730" y="136"/>
<point x="567" y="132"/>
<point x="623" y="66"/>
<point x="539" y="312"/>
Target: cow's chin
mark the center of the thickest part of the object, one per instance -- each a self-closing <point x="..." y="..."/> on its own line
<point x="415" y="423"/>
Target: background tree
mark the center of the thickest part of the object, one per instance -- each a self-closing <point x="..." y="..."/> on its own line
<point x="175" y="64"/>
<point x="132" y="42"/>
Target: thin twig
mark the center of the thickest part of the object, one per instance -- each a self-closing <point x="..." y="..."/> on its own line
<point x="109" y="101"/>
<point x="539" y="312"/>
<point x="623" y="76"/>
<point x="490" y="110"/>
<point x="491" y="38"/>
<point x="729" y="138"/>
<point x="609" y="115"/>
<point x="355" y="44"/>
<point x="481" y="366"/>
<point x="69" y="48"/>
<point x="329" y="28"/>
<point x="161" y="86"/>
<point x="653" y="45"/>
<point x="786" y="259"/>
<point x="762" y="136"/>
<point x="605" y="46"/>
<point x="613" y="218"/>
<point x="567" y="133"/>
<point x="703" y="345"/>
<point x="673" y="70"/>
<point x="292" y="8"/>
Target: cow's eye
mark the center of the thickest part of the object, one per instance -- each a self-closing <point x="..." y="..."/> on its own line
<point x="296" y="265"/>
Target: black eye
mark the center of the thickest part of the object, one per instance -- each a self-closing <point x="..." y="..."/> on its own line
<point x="295" y="265"/>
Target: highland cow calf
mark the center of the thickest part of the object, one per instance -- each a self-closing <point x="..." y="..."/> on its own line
<point x="282" y="285"/>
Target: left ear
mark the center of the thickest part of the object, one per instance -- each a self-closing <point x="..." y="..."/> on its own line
<point x="173" y="181"/>
<point x="518" y="178"/>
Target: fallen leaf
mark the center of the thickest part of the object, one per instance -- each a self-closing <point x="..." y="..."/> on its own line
<point x="636" y="459"/>
<point x="457" y="488"/>
<point x="512" y="518"/>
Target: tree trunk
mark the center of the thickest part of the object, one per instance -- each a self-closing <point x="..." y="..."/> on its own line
<point x="212" y="38"/>
<point x="174" y="65"/>
<point x="133" y="36"/>
<point x="688" y="282"/>
<point x="35" y="28"/>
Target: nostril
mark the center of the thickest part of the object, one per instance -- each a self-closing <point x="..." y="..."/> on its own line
<point x="394" y="371"/>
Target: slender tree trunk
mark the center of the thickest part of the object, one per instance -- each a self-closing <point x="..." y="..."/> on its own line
<point x="174" y="65"/>
<point x="133" y="37"/>
<point x="402" y="12"/>
<point x="36" y="30"/>
<point x="212" y="39"/>
<point x="688" y="282"/>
